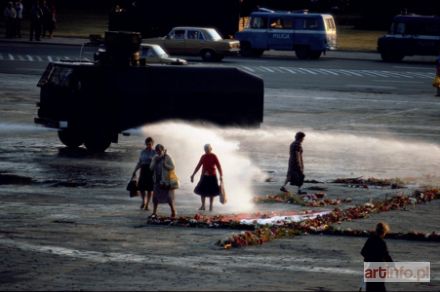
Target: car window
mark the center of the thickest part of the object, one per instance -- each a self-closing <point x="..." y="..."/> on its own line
<point x="195" y="35"/>
<point x="212" y="35"/>
<point x="178" y="34"/>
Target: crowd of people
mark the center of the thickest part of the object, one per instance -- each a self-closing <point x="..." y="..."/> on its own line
<point x="42" y="19"/>
<point x="157" y="179"/>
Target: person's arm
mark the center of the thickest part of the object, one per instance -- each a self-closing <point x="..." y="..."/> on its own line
<point x="138" y="165"/>
<point x="197" y="168"/>
<point x="168" y="162"/>
<point x="386" y="254"/>
<point x="299" y="159"/>
<point x="219" y="167"/>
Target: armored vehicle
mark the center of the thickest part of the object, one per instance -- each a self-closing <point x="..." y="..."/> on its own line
<point x="91" y="103"/>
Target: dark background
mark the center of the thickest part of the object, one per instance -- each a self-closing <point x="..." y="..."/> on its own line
<point x="366" y="14"/>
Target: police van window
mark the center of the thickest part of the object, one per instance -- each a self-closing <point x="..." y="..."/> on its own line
<point x="400" y="28"/>
<point x="330" y="24"/>
<point x="288" y="23"/>
<point x="432" y="28"/>
<point x="259" y="22"/>
<point x="276" y="23"/>
<point x="307" y="23"/>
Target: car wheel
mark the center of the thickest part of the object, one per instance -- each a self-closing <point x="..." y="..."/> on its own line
<point x="70" y="138"/>
<point x="208" y="55"/>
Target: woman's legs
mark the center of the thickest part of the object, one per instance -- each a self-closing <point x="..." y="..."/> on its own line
<point x="155" y="204"/>
<point x="202" y="198"/>
<point x="143" y="199"/>
<point x="211" y="200"/>
<point x="147" y="202"/>
<point x="173" y="209"/>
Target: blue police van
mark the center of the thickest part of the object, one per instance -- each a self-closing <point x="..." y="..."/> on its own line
<point x="410" y="35"/>
<point x="308" y="34"/>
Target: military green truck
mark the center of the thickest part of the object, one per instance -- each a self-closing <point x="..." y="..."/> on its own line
<point x="91" y="103"/>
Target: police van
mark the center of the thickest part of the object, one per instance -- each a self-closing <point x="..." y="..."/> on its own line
<point x="308" y="34"/>
<point x="410" y="35"/>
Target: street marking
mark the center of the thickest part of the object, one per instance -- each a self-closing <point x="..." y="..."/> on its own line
<point x="308" y="71"/>
<point x="1" y="57"/>
<point x="20" y="57"/>
<point x="329" y="71"/>
<point x="50" y="58"/>
<point x="39" y="59"/>
<point x="29" y="57"/>
<point x="288" y="70"/>
<point x="268" y="69"/>
<point x="248" y="68"/>
<point x="11" y="57"/>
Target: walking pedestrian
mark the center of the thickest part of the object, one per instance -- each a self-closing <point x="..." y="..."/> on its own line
<point x="10" y="15"/>
<point x="295" y="171"/>
<point x="35" y="22"/>
<point x="208" y="183"/>
<point x="375" y="250"/>
<point x="145" y="180"/>
<point x="161" y="165"/>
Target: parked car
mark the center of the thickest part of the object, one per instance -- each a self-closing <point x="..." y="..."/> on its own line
<point x="151" y="53"/>
<point x="410" y="35"/>
<point x="197" y="41"/>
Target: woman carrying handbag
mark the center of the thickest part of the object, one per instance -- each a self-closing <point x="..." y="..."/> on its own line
<point x="208" y="185"/>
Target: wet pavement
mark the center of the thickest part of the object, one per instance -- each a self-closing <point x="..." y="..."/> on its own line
<point x="69" y="224"/>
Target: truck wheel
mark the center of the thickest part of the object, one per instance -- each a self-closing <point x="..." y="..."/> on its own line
<point x="391" y="57"/>
<point x="70" y="138"/>
<point x="97" y="143"/>
<point x="208" y="55"/>
<point x="302" y="52"/>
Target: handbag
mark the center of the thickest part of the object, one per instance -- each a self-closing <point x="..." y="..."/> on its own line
<point x="436" y="81"/>
<point x="173" y="179"/>
<point x="223" y="197"/>
<point x="132" y="188"/>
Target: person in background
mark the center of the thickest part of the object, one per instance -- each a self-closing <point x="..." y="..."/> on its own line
<point x="208" y="184"/>
<point x="375" y="250"/>
<point x="295" y="171"/>
<point x="10" y="15"/>
<point x="49" y="19"/>
<point x="161" y="164"/>
<point x="19" y="9"/>
<point x="35" y="22"/>
<point x="436" y="82"/>
<point x="145" y="181"/>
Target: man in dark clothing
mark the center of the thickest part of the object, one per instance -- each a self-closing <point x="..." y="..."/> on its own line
<point x="295" y="172"/>
<point x="375" y="250"/>
<point x="35" y="22"/>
